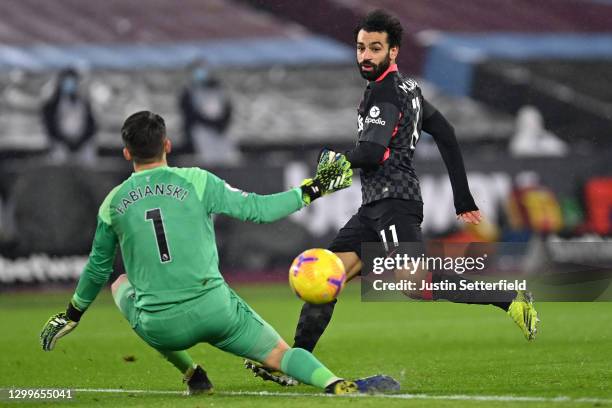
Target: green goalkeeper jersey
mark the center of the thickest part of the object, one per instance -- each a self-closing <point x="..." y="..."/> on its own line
<point x="162" y="220"/>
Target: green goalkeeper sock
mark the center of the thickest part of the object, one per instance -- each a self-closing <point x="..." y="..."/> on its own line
<point x="304" y="367"/>
<point x="180" y="359"/>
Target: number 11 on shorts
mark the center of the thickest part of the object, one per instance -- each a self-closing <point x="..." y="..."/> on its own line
<point x="393" y="236"/>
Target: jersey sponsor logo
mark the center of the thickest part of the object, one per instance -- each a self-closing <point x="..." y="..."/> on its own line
<point x="377" y="121"/>
<point x="374" y="111"/>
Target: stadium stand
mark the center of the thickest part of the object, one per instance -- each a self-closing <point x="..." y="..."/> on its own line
<point x="555" y="54"/>
<point x="279" y="99"/>
<point x="39" y="39"/>
<point x="423" y="16"/>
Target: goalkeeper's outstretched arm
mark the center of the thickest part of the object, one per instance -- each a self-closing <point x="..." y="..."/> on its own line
<point x="333" y="173"/>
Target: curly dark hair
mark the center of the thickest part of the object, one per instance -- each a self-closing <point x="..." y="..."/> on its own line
<point x="382" y="22"/>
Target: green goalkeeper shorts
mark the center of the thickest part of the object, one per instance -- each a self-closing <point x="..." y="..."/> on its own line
<point x="220" y="317"/>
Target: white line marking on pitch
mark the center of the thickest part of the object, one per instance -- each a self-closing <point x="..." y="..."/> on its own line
<point x="501" y="398"/>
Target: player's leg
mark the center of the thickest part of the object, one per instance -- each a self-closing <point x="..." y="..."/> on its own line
<point x="314" y="319"/>
<point x="194" y="375"/>
<point x="517" y="304"/>
<point x="399" y="225"/>
<point x="299" y="364"/>
<point x="352" y="263"/>
<point x="247" y="335"/>
<point x="255" y="339"/>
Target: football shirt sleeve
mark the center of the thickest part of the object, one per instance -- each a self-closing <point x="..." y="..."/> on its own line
<point x="99" y="266"/>
<point x="101" y="258"/>
<point x="366" y="155"/>
<point x="382" y="117"/>
<point x="428" y="109"/>
<point x="443" y="134"/>
<point x="221" y="198"/>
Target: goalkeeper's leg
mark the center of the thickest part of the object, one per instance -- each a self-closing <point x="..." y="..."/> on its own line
<point x="313" y="321"/>
<point x="248" y="335"/>
<point x="299" y="364"/>
<point x="194" y="375"/>
<point x="302" y="365"/>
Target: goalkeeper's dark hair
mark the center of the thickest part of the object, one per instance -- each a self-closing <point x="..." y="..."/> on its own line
<point x="144" y="133"/>
<point x="382" y="22"/>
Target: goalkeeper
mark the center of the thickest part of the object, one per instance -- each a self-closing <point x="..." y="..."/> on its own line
<point x="174" y="295"/>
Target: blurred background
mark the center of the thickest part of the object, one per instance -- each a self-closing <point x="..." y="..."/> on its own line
<point x="251" y="90"/>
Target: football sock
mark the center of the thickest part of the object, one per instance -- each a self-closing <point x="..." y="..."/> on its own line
<point x="499" y="298"/>
<point x="304" y="367"/>
<point x="180" y="359"/>
<point x="312" y="323"/>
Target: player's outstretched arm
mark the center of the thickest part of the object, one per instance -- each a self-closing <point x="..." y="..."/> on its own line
<point x="333" y="173"/>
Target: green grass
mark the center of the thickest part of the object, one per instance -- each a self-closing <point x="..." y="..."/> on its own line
<point x="431" y="348"/>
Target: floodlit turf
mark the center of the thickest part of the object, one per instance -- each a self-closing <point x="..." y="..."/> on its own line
<point x="454" y="352"/>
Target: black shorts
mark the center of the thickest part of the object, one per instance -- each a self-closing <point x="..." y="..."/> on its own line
<point x="388" y="221"/>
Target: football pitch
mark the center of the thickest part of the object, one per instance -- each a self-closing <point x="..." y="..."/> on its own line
<point x="444" y="355"/>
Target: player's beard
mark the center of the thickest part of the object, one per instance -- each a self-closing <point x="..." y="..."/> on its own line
<point x="377" y="69"/>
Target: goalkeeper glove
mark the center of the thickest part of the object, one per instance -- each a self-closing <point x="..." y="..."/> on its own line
<point x="58" y="326"/>
<point x="333" y="173"/>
